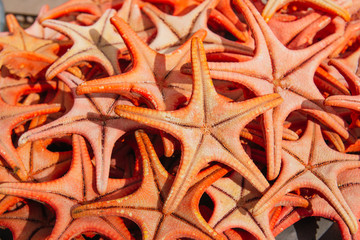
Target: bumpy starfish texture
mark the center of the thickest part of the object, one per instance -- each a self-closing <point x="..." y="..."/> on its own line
<point x="62" y="194"/>
<point x="274" y="76"/>
<point x="310" y="169"/>
<point x="98" y="42"/>
<point x="91" y="116"/>
<point x="208" y="120"/>
<point x="326" y="5"/>
<point x="145" y="206"/>
<point x="19" y="46"/>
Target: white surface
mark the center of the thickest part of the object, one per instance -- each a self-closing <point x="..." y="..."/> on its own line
<point x="29" y="6"/>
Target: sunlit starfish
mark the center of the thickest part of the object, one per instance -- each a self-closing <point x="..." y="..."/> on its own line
<point x="274" y="76"/>
<point x="208" y="128"/>
<point x="99" y="43"/>
<point x="310" y="163"/>
<point x="62" y="194"/>
<point x="19" y="46"/>
<point x="145" y="206"/>
<point x="91" y="116"/>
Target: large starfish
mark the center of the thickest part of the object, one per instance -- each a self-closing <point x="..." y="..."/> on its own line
<point x="99" y="43"/>
<point x="18" y="47"/>
<point x="145" y="206"/>
<point x="208" y="129"/>
<point x="293" y="81"/>
<point x="153" y="75"/>
<point x="91" y="116"/>
<point x="62" y="194"/>
<point x="326" y="5"/>
<point x="310" y="163"/>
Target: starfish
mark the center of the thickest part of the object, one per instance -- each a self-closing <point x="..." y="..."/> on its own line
<point x="234" y="199"/>
<point x="326" y="5"/>
<point x="208" y="120"/>
<point x="18" y="47"/>
<point x="93" y="7"/>
<point x="98" y="42"/>
<point x="91" y="116"/>
<point x="41" y="163"/>
<point x="28" y="220"/>
<point x="160" y="74"/>
<point x="274" y="76"/>
<point x="146" y="206"/>
<point x="174" y="30"/>
<point x="62" y="194"/>
<point x="310" y="163"/>
<point x="348" y="182"/>
<point x="9" y="119"/>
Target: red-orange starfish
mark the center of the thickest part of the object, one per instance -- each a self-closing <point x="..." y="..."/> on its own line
<point x="310" y="163"/>
<point x="62" y="194"/>
<point x="275" y="76"/>
<point x="146" y="205"/>
<point x="208" y="128"/>
<point x="19" y="47"/>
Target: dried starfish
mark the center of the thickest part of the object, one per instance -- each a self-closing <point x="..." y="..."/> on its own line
<point x="174" y="30"/>
<point x="91" y="116"/>
<point x="145" y="206"/>
<point x="19" y="47"/>
<point x="62" y="194"/>
<point x="98" y="42"/>
<point x="234" y="199"/>
<point x="274" y="76"/>
<point x="310" y="163"/>
<point x="208" y="120"/>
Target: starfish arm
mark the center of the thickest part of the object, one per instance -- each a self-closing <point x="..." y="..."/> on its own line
<point x="328" y="5"/>
<point x="351" y="102"/>
<point x="87" y="6"/>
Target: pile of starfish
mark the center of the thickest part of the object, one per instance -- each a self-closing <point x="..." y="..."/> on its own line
<point x="180" y="119"/>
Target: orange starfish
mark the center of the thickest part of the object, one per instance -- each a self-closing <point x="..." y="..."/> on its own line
<point x="62" y="194"/>
<point x="146" y="206"/>
<point x="19" y="47"/>
<point x="208" y="128"/>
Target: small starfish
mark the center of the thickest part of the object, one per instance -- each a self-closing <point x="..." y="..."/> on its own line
<point x="208" y="129"/>
<point x="326" y="5"/>
<point x="18" y="47"/>
<point x="174" y="30"/>
<point x="12" y="116"/>
<point x="274" y="76"/>
<point x="91" y="116"/>
<point x="310" y="163"/>
<point x="98" y="42"/>
<point x="348" y="182"/>
<point x="62" y="194"/>
<point x="234" y="199"/>
<point x="145" y="206"/>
